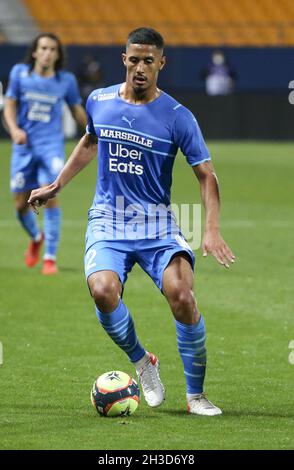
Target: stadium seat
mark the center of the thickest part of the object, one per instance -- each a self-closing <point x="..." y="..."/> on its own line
<point x="185" y="22"/>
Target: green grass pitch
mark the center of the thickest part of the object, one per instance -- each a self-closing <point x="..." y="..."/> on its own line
<point x="54" y="347"/>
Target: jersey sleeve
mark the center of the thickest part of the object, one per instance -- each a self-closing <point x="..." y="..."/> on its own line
<point x="72" y="96"/>
<point x="90" y="129"/>
<point x="13" y="83"/>
<point x="188" y="137"/>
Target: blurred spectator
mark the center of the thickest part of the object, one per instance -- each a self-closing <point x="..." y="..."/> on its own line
<point x="89" y="76"/>
<point x="219" y="77"/>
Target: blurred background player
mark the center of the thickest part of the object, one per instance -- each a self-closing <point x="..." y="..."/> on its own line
<point x="89" y="75"/>
<point x="36" y="91"/>
<point x="152" y="126"/>
<point x="219" y="77"/>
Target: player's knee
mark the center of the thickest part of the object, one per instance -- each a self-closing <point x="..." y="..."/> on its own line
<point x="186" y="301"/>
<point x="182" y="299"/>
<point x="105" y="294"/>
<point x="20" y="203"/>
<point x="21" y="207"/>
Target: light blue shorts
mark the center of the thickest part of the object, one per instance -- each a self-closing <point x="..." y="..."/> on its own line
<point x="120" y="256"/>
<point x="33" y="168"/>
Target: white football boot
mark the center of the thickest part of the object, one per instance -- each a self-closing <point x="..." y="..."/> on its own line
<point x="147" y="370"/>
<point x="198" y="404"/>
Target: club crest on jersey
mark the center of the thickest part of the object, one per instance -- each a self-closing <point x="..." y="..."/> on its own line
<point x="124" y="118"/>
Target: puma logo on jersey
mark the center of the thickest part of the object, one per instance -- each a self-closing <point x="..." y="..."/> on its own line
<point x="124" y="118"/>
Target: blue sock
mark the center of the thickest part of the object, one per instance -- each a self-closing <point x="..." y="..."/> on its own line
<point x="191" y="346"/>
<point x="52" y="223"/>
<point x="29" y="223"/>
<point x="120" y="327"/>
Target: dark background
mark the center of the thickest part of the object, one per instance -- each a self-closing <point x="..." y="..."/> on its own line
<point x="258" y="109"/>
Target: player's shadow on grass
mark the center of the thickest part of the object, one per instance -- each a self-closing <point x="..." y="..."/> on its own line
<point x="232" y="414"/>
<point x="170" y="412"/>
<point x="71" y="269"/>
<point x="258" y="414"/>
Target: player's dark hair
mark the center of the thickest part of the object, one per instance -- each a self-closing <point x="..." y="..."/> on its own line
<point x="30" y="60"/>
<point x="146" y="36"/>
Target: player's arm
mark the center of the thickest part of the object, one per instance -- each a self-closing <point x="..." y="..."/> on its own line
<point x="10" y="114"/>
<point x="81" y="156"/>
<point x="212" y="240"/>
<point x="79" y="115"/>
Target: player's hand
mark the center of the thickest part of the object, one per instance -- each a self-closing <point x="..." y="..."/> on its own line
<point x="214" y="243"/>
<point x="39" y="197"/>
<point x="19" y="136"/>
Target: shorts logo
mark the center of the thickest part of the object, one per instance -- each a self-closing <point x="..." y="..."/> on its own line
<point x="18" y="182"/>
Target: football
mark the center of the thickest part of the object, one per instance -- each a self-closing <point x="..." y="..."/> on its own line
<point x="115" y="393"/>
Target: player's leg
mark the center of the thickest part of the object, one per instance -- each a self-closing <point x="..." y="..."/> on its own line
<point x="114" y="316"/>
<point x="22" y="181"/>
<point x="177" y="286"/>
<point x="25" y="215"/>
<point x="52" y="229"/>
<point x="28" y="221"/>
<point x="106" y="289"/>
<point x="106" y="272"/>
<point x="49" y="165"/>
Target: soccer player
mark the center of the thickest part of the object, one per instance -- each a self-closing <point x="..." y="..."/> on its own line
<point x="139" y="129"/>
<point x="33" y="113"/>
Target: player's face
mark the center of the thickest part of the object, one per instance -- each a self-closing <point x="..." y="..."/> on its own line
<point x="143" y="63"/>
<point x="46" y="53"/>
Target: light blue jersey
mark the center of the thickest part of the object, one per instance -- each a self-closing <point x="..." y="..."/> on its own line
<point x="39" y="114"/>
<point x="39" y="103"/>
<point x="137" y="146"/>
